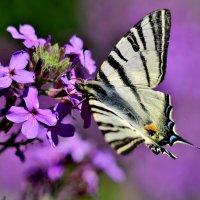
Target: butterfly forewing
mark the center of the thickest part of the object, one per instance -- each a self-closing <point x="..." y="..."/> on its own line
<point x="139" y="58"/>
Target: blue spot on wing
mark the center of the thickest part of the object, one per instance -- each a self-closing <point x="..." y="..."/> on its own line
<point x="170" y="125"/>
<point x="168" y="109"/>
<point x="172" y="139"/>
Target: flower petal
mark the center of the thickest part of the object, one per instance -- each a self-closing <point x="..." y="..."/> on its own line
<point x="55" y="172"/>
<point x="23" y="76"/>
<point x="70" y="49"/>
<point x="5" y="81"/>
<point x="91" y="179"/>
<point x="42" y="130"/>
<point x="17" y="114"/>
<point x="19" y="60"/>
<point x="28" y="31"/>
<point x="87" y="61"/>
<point x="30" y="43"/>
<point x="78" y="154"/>
<point x="15" y="34"/>
<point x="52" y="138"/>
<point x="4" y="71"/>
<point x="31" y="98"/>
<point x="64" y="79"/>
<point x="42" y="41"/>
<point x="46" y="116"/>
<point x="63" y="109"/>
<point x="105" y="160"/>
<point x="76" y="42"/>
<point x="86" y="114"/>
<point x="30" y="127"/>
<point x="63" y="130"/>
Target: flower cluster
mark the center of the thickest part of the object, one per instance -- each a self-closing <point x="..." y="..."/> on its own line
<point x="38" y="88"/>
<point x="77" y="157"/>
<point x="42" y="70"/>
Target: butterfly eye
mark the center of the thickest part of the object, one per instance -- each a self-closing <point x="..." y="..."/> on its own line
<point x="151" y="133"/>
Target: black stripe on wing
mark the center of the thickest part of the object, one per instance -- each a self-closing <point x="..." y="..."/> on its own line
<point x="161" y="38"/>
<point x="103" y="77"/>
<point x="117" y="51"/>
<point x="96" y="108"/>
<point x="146" y="69"/>
<point x="132" y="40"/>
<point x="130" y="143"/>
<point x="133" y="146"/>
<point x="160" y="22"/>
<point x="100" y="113"/>
<point x="124" y="78"/>
<point x="141" y="35"/>
<point x="109" y="125"/>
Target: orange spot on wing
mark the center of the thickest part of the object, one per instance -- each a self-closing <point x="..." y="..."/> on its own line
<point x="151" y="127"/>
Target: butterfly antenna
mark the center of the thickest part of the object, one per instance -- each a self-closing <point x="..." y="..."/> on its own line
<point x="75" y="106"/>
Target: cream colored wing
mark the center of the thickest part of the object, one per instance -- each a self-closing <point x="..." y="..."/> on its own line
<point x="122" y="136"/>
<point x="139" y="58"/>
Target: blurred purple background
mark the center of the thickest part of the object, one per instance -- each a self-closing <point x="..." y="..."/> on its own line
<point x="150" y="176"/>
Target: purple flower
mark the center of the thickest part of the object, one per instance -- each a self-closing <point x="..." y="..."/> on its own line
<point x="15" y="71"/>
<point x="75" y="98"/>
<point x="61" y="129"/>
<point x="72" y="94"/>
<point x="86" y="114"/>
<point x="55" y="172"/>
<point x="32" y="116"/>
<point x="85" y="57"/>
<point x="91" y="179"/>
<point x="68" y="83"/>
<point x="26" y="33"/>
<point x="105" y="161"/>
<point x="77" y="148"/>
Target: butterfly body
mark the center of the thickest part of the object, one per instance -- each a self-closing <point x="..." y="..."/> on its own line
<point x="126" y="108"/>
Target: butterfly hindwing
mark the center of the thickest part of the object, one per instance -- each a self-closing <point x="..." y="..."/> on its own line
<point x="117" y="132"/>
<point x="139" y="58"/>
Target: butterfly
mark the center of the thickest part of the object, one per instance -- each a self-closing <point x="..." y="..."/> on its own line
<point x="124" y="105"/>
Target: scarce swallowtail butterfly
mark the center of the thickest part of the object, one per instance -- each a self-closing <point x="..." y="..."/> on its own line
<point x="126" y="108"/>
